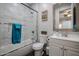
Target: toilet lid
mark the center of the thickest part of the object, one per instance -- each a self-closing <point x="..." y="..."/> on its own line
<point x="37" y="46"/>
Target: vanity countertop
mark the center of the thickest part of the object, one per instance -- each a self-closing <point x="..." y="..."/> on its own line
<point x="65" y="38"/>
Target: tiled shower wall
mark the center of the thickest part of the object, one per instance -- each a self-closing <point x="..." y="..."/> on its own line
<point x="16" y="13"/>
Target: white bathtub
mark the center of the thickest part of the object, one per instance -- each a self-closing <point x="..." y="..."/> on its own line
<point x="17" y="49"/>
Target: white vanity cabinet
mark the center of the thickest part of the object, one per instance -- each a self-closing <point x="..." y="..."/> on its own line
<point x="69" y="51"/>
<point x="56" y="50"/>
<point x="60" y="47"/>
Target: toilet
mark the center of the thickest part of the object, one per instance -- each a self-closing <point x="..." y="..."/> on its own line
<point x="38" y="46"/>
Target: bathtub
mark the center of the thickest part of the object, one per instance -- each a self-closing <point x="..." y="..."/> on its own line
<point x="21" y="49"/>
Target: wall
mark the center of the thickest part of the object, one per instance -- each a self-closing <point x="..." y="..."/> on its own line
<point x="16" y="13"/>
<point x="44" y="25"/>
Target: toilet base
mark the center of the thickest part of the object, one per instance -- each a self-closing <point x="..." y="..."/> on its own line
<point x="38" y="53"/>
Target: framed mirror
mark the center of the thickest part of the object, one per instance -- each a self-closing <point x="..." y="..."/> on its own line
<point x="64" y="17"/>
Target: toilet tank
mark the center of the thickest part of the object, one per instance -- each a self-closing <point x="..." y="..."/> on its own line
<point x="43" y="38"/>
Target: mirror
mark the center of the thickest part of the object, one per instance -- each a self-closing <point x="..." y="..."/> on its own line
<point x="64" y="17"/>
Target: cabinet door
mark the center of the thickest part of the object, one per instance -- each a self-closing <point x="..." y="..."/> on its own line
<point x="71" y="52"/>
<point x="55" y="50"/>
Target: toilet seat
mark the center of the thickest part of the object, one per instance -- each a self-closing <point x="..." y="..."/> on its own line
<point x="37" y="46"/>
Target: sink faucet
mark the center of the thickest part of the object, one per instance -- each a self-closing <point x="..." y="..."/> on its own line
<point x="64" y="34"/>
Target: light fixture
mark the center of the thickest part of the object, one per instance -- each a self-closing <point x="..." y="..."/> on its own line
<point x="65" y="14"/>
<point x="69" y="15"/>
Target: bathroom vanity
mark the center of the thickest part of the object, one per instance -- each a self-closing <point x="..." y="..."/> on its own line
<point x="63" y="46"/>
<point x="65" y="21"/>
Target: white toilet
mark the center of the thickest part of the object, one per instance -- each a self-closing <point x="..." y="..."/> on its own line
<point x="38" y="46"/>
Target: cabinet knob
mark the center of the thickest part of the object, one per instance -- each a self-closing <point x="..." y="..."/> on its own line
<point x="48" y="39"/>
<point x="65" y="49"/>
<point x="61" y="48"/>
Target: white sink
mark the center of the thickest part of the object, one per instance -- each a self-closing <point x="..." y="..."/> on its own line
<point x="37" y="46"/>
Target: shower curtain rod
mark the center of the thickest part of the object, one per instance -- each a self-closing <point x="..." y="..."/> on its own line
<point x="29" y="7"/>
